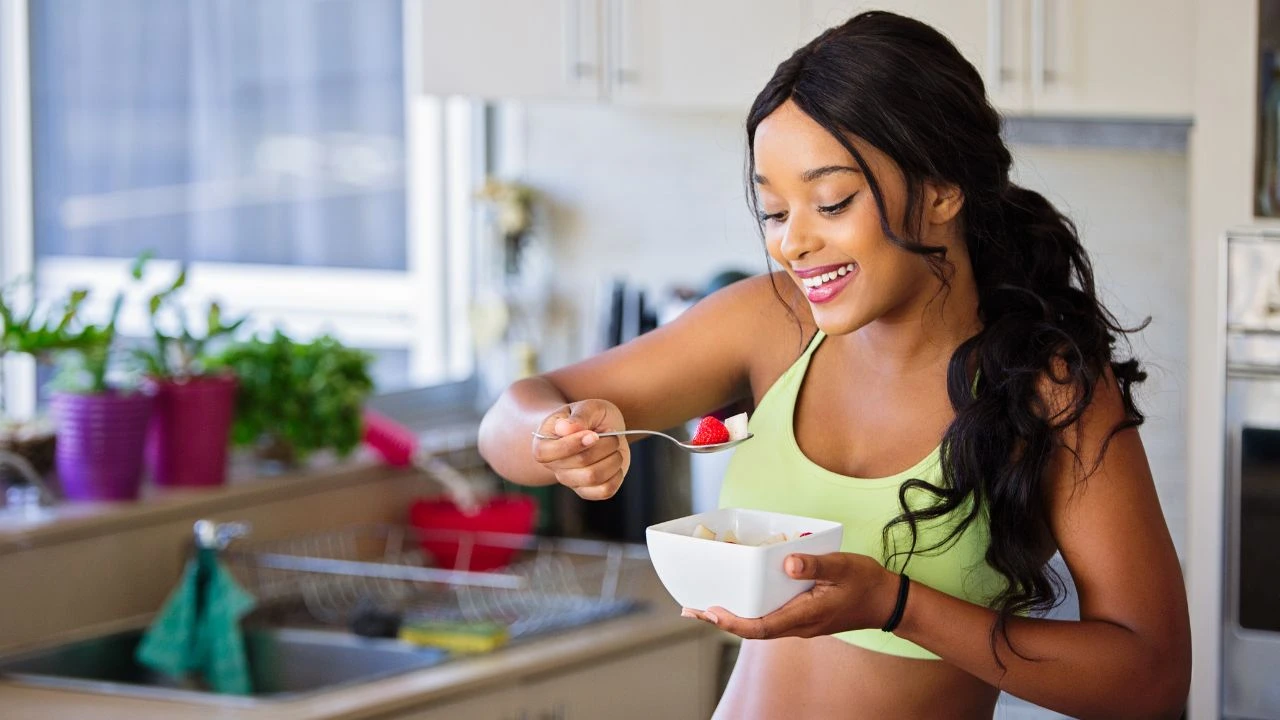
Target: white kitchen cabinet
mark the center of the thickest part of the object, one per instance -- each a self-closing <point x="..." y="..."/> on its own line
<point x="989" y="33"/>
<point x="692" y="54"/>
<point x="1056" y="58"/>
<point x="1112" y="57"/>
<point x="698" y="53"/>
<point x="531" y="49"/>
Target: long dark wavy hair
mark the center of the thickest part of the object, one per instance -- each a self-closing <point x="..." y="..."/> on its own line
<point x="902" y="87"/>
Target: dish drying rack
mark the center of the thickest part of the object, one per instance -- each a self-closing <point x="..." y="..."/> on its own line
<point x="549" y="584"/>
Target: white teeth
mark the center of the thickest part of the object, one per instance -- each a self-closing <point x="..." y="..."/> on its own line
<point x="819" y="280"/>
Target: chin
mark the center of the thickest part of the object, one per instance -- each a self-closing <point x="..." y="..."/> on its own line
<point x="833" y="321"/>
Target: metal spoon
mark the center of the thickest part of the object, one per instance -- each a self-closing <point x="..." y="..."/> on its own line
<point x="717" y="447"/>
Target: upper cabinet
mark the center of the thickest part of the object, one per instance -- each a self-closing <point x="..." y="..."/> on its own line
<point x="531" y="49"/>
<point x="1112" y="57"/>
<point x="1095" y="58"/>
<point x="698" y="54"/>
<point x="989" y="33"/>
<point x="1059" y="58"/>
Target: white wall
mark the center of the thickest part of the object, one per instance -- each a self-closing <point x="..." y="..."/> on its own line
<point x="658" y="198"/>
<point x="1221" y="198"/>
<point x="1130" y="208"/>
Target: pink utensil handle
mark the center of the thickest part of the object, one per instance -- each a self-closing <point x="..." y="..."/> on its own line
<point x="395" y="443"/>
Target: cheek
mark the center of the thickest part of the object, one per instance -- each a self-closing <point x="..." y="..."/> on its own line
<point x="773" y="244"/>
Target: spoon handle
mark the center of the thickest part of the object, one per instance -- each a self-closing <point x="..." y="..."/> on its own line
<point x="614" y="433"/>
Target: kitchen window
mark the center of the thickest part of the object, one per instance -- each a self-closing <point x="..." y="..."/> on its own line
<point x="280" y="149"/>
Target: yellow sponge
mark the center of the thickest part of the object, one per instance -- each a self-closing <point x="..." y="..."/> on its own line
<point x="459" y="637"/>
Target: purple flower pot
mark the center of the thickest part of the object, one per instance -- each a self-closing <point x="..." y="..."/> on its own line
<point x="100" y="443"/>
<point x="190" y="430"/>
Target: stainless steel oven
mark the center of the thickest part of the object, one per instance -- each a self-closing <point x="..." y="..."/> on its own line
<point x="1251" y="603"/>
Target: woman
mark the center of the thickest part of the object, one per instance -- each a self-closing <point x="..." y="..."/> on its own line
<point x="925" y="307"/>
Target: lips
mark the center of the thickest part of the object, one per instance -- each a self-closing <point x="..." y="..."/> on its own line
<point x="822" y="284"/>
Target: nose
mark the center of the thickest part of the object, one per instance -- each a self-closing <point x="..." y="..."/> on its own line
<point x="798" y="238"/>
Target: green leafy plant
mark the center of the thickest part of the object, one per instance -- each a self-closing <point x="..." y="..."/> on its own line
<point x="40" y="332"/>
<point x="182" y="354"/>
<point x="57" y="331"/>
<point x="83" y="363"/>
<point x="296" y="398"/>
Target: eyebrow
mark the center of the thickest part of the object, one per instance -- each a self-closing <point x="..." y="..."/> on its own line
<point x="814" y="174"/>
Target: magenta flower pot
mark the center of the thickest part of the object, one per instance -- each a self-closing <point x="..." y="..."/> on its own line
<point x="190" y="431"/>
<point x="100" y="443"/>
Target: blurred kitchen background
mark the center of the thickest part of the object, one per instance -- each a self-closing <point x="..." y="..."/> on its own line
<point x="471" y="191"/>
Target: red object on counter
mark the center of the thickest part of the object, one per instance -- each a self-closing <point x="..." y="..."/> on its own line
<point x="512" y="513"/>
<point x="394" y="442"/>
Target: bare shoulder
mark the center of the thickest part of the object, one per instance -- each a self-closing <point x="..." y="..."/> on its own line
<point x="777" y="321"/>
<point x="714" y="354"/>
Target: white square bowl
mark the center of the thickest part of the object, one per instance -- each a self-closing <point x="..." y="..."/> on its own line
<point x="744" y="578"/>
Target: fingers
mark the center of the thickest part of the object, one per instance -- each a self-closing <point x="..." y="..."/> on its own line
<point x="603" y="491"/>
<point x="574" y="451"/>
<point x="599" y="473"/>
<point x="581" y="416"/>
<point x="795" y="619"/>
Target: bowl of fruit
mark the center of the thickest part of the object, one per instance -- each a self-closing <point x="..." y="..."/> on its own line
<point x="732" y="557"/>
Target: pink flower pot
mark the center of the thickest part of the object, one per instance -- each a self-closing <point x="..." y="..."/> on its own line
<point x="190" y="431"/>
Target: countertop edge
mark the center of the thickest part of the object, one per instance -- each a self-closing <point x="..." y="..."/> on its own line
<point x="77" y="521"/>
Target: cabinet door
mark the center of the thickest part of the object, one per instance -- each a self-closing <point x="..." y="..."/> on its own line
<point x="991" y="34"/>
<point x="532" y="49"/>
<point x="673" y="682"/>
<point x="704" y="54"/>
<point x="499" y="704"/>
<point x="1112" y="58"/>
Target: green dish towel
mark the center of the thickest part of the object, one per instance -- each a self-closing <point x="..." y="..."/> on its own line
<point x="198" y="629"/>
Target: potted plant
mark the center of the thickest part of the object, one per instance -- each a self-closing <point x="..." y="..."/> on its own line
<point x="194" y="404"/>
<point x="37" y="333"/>
<point x="297" y="398"/>
<point x="102" y="426"/>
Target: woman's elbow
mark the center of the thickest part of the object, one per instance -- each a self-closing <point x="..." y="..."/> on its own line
<point x="1169" y="684"/>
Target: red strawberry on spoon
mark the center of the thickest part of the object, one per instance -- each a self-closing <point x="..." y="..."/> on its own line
<point x="710" y="432"/>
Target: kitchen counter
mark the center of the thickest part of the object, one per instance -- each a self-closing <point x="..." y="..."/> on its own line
<point x="657" y="624"/>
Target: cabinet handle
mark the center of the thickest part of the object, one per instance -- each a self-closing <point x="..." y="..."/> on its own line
<point x="622" y="74"/>
<point x="1040" y="71"/>
<point x="574" y="67"/>
<point x="998" y="73"/>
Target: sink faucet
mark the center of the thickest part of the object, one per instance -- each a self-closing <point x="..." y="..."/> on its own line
<point x="35" y="495"/>
<point x="216" y="536"/>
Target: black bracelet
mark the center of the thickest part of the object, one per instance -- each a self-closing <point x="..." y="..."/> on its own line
<point x="904" y="583"/>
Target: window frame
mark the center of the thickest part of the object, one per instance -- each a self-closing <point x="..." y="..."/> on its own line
<point x="423" y="308"/>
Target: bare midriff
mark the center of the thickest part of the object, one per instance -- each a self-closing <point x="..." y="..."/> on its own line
<point x="827" y="679"/>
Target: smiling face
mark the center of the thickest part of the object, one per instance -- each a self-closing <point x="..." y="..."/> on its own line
<point x="821" y="223"/>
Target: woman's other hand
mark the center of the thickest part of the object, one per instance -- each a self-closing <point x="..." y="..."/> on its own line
<point x="850" y="592"/>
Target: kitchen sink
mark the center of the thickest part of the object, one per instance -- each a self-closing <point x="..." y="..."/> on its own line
<point x="284" y="664"/>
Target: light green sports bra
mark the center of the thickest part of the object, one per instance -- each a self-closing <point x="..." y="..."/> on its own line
<point x="772" y="473"/>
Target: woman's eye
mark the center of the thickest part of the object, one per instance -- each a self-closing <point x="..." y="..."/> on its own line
<point x="834" y="209"/>
<point x="766" y="217"/>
